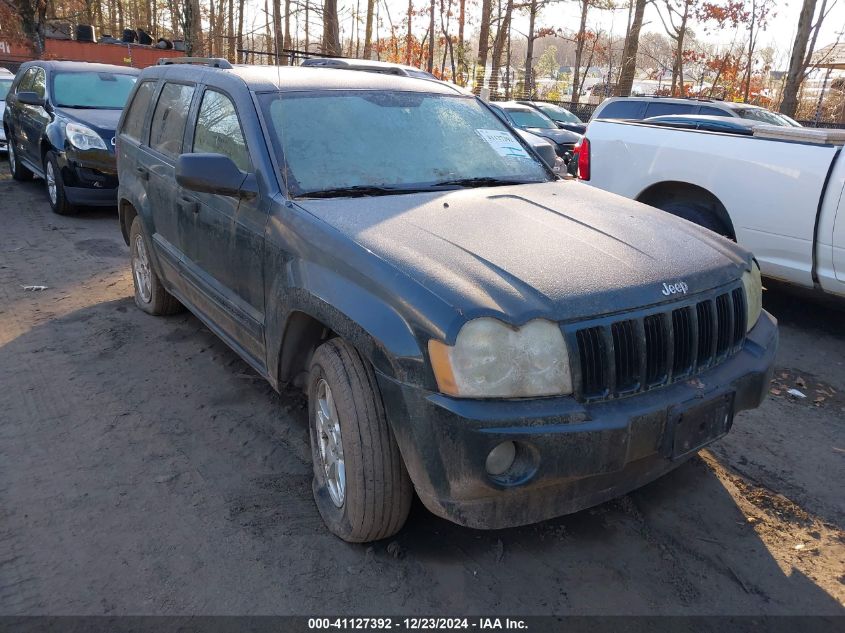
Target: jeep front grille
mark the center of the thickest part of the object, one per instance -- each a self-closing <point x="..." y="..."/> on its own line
<point x="632" y="353"/>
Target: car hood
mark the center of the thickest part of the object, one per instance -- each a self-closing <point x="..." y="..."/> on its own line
<point x="104" y="122"/>
<point x="578" y="128"/>
<point x="556" y="135"/>
<point x="558" y="250"/>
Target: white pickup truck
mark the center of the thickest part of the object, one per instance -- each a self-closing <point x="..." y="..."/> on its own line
<point x="779" y="192"/>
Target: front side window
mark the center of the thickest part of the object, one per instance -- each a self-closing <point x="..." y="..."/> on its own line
<point x="218" y="130"/>
<point x="133" y="126"/>
<point x="338" y="139"/>
<point x="25" y="84"/>
<point x="96" y="90"/>
<point x="168" y="125"/>
<point x="39" y="83"/>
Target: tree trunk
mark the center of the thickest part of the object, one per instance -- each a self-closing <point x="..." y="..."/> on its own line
<point x="286" y="42"/>
<point x="240" y="40"/>
<point x="795" y="75"/>
<point x="409" y="38"/>
<point x="527" y="87"/>
<point x="192" y="27"/>
<point x="579" y="52"/>
<point x="430" y="67"/>
<point x="483" y="44"/>
<point x="747" y="90"/>
<point x="230" y="32"/>
<point x="499" y="48"/>
<point x="277" y="31"/>
<point x="629" y="52"/>
<point x="368" y="29"/>
<point x="331" y="29"/>
<point x="461" y="52"/>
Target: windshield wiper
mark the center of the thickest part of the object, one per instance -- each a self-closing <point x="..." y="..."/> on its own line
<point x="480" y="182"/>
<point x="355" y="191"/>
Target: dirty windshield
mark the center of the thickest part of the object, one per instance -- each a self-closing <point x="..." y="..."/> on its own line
<point x="340" y="143"/>
<point x="100" y="90"/>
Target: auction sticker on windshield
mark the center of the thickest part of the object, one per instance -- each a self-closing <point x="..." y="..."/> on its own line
<point x="504" y="143"/>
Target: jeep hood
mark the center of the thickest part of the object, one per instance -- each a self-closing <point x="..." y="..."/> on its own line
<point x="558" y="250"/>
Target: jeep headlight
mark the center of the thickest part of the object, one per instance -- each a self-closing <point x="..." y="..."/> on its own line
<point x="753" y="285"/>
<point x="491" y="359"/>
<point x="83" y="137"/>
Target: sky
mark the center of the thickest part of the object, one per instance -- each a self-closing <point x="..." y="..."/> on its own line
<point x="565" y="15"/>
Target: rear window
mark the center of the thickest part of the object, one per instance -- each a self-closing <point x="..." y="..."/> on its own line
<point x="171" y="113"/>
<point x="622" y="110"/>
<point x="661" y="109"/>
<point x="133" y="125"/>
<point x="5" y="84"/>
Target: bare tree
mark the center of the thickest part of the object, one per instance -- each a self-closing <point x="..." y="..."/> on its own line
<point x="677" y="17"/>
<point x="331" y="29"/>
<point x="483" y="43"/>
<point x="629" y="52"/>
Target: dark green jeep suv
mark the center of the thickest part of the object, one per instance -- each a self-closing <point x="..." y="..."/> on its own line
<point x="508" y="345"/>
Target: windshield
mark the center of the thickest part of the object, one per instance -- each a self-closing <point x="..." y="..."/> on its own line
<point x="101" y="90"/>
<point x="393" y="140"/>
<point x="764" y="116"/>
<point x="5" y="84"/>
<point x="559" y="114"/>
<point x="531" y="118"/>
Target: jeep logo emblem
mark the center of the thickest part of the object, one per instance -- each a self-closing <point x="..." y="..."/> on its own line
<point x="673" y="289"/>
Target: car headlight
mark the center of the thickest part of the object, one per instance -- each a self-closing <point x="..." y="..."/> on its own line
<point x="491" y="359"/>
<point x="753" y="285"/>
<point x="83" y="137"/>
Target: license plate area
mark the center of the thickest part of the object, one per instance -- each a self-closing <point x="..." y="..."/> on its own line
<point x="697" y="426"/>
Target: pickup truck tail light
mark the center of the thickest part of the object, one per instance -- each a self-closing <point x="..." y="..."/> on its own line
<point x="582" y="152"/>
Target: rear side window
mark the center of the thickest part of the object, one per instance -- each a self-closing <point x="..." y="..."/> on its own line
<point x="219" y="131"/>
<point x="661" y="109"/>
<point x="171" y="113"/>
<point x="133" y="126"/>
<point x="622" y="110"/>
<point x="707" y="110"/>
<point x="39" y="83"/>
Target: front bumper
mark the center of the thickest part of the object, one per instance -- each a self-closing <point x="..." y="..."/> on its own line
<point x="575" y="455"/>
<point x="89" y="177"/>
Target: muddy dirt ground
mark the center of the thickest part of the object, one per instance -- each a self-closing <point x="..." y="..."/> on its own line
<point x="144" y="469"/>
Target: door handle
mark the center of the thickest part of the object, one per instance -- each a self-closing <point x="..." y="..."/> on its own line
<point x="189" y="204"/>
<point x="143" y="172"/>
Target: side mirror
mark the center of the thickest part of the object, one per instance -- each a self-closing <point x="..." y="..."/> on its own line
<point x="31" y="99"/>
<point x="214" y="173"/>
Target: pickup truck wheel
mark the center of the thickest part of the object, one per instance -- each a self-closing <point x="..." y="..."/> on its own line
<point x="150" y="295"/>
<point x="361" y="487"/>
<point x="56" y="187"/>
<point x="699" y="213"/>
<point x="19" y="172"/>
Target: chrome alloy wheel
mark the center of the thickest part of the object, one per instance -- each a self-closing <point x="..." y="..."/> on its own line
<point x="327" y="426"/>
<point x="141" y="270"/>
<point x="11" y="156"/>
<point x="50" y="177"/>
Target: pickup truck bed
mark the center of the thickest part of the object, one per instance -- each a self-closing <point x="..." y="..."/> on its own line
<point x="782" y="198"/>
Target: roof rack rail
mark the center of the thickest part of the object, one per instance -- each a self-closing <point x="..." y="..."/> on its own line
<point x="214" y="62"/>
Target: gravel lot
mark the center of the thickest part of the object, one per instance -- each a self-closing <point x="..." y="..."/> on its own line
<point x="144" y="469"/>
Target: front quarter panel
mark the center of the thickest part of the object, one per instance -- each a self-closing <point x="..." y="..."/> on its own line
<point x="314" y="269"/>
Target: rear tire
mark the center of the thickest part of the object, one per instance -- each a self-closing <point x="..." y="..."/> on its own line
<point x="19" y="172"/>
<point x="698" y="212"/>
<point x="376" y="492"/>
<point x="56" y="187"/>
<point x="150" y="294"/>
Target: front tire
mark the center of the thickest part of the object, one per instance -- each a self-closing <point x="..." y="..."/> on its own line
<point x="19" y="172"/>
<point x="150" y="294"/>
<point x="361" y="487"/>
<point x="56" y="187"/>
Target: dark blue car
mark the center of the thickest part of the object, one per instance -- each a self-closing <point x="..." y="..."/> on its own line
<point x="60" y="122"/>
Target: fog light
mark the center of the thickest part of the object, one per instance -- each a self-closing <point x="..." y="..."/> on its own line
<point x="501" y="458"/>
